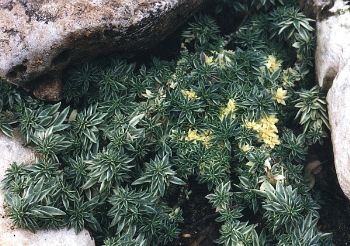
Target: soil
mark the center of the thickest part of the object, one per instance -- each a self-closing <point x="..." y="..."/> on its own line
<point x="199" y="227"/>
<point x="335" y="207"/>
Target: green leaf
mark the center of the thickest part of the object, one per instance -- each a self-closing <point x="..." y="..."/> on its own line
<point x="136" y="119"/>
<point x="50" y="211"/>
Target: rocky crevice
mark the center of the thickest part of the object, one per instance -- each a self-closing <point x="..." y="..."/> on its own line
<point x="332" y="62"/>
<point x="43" y="37"/>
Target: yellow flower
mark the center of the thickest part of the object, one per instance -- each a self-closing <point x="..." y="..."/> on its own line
<point x="231" y="105"/>
<point x="270" y="120"/>
<point x="230" y="108"/>
<point x="209" y="60"/>
<point x="205" y="138"/>
<point x="251" y="125"/>
<point x="245" y="147"/>
<point x="281" y="96"/>
<point x="272" y="63"/>
<point x="270" y="140"/>
<point x="192" y="136"/>
<point x="266" y="130"/>
<point x="190" y="94"/>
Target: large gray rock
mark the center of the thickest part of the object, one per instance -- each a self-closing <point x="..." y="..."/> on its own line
<point x="333" y="42"/>
<point x="12" y="151"/>
<point x="315" y="8"/>
<point x="38" y="38"/>
<point x="333" y="74"/>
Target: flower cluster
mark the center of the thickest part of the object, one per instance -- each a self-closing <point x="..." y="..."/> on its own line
<point x="281" y="96"/>
<point x="245" y="147"/>
<point x="190" y="94"/>
<point x="272" y="63"/>
<point x="266" y="130"/>
<point x="193" y="136"/>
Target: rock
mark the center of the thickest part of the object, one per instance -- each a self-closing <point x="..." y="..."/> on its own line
<point x="333" y="41"/>
<point x="310" y="170"/>
<point x="314" y="8"/>
<point x="339" y="118"/>
<point x="333" y="72"/>
<point x="13" y="151"/>
<point x="38" y="39"/>
<point x="62" y="237"/>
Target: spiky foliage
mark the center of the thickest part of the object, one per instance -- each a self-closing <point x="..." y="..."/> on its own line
<point x="312" y="113"/>
<point x="134" y="134"/>
<point x="10" y="99"/>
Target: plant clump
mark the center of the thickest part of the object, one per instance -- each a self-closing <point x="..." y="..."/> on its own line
<point x="236" y="112"/>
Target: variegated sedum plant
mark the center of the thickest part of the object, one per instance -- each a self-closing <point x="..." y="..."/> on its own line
<point x="237" y="113"/>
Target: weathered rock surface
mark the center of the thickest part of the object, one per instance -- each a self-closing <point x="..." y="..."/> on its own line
<point x="333" y="42"/>
<point x="339" y="119"/>
<point x="40" y="37"/>
<point x="333" y="74"/>
<point x="12" y="151"/>
<point x="315" y="8"/>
